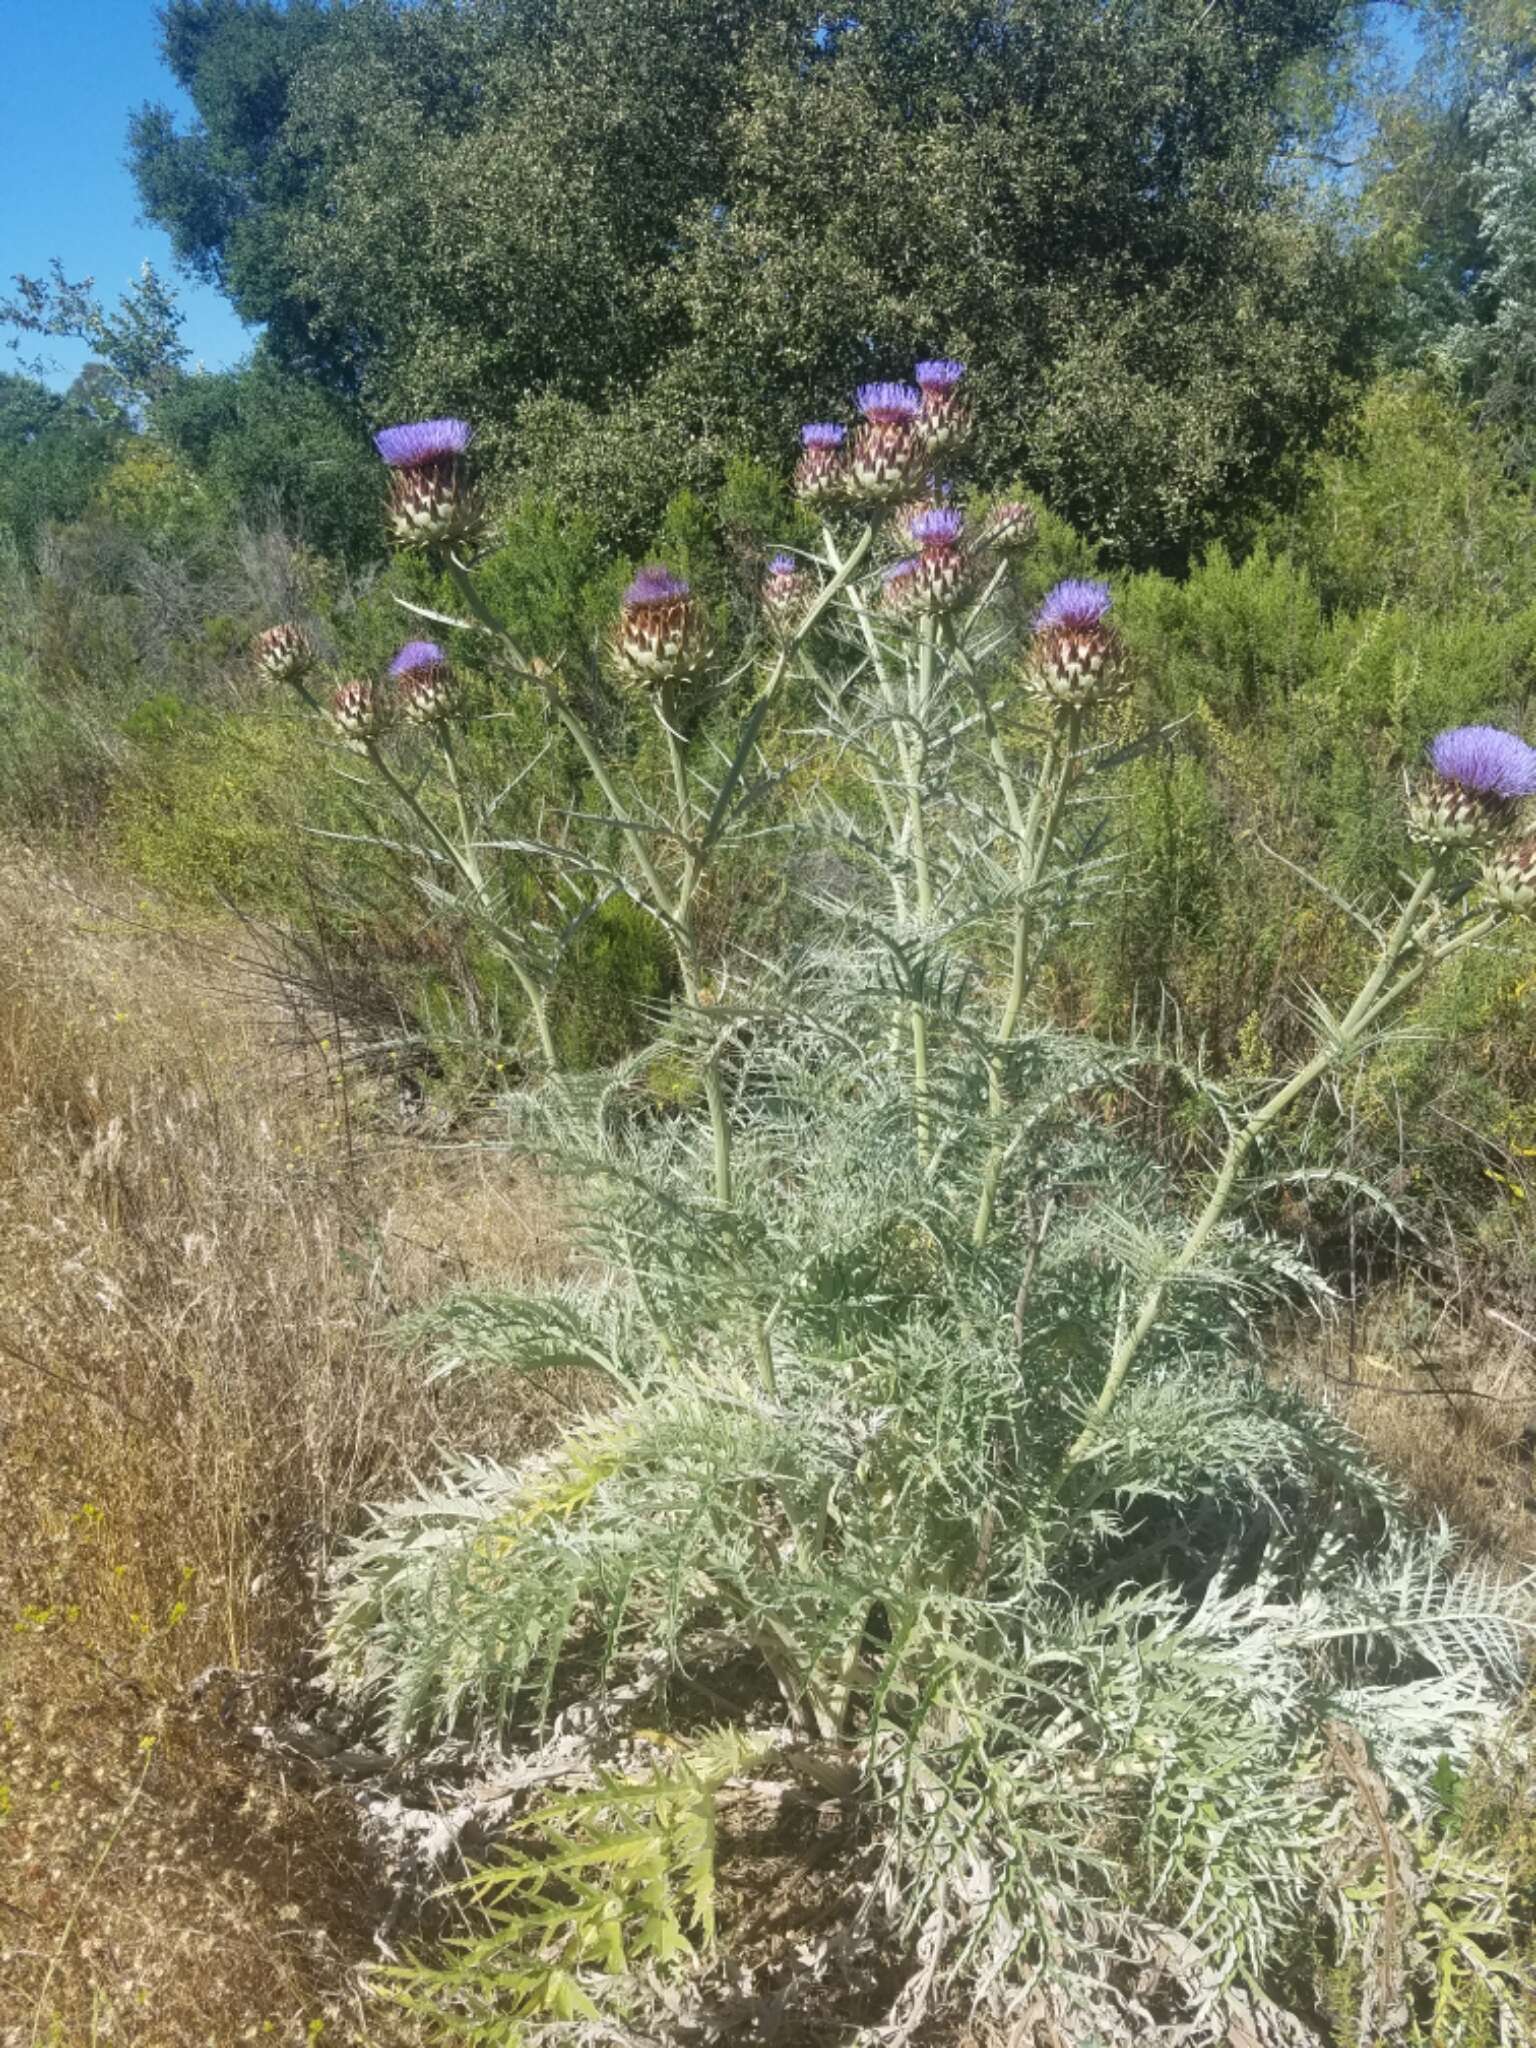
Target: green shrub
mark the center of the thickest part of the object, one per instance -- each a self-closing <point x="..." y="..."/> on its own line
<point x="617" y="981"/>
<point x="219" y="808"/>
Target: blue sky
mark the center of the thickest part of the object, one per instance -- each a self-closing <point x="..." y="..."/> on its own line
<point x="73" y="72"/>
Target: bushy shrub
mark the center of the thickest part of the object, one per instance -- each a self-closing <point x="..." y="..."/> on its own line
<point x="218" y="808"/>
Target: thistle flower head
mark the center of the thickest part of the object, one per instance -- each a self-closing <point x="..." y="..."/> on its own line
<point x="1509" y="876"/>
<point x="1485" y="761"/>
<point x="663" y="633"/>
<point x="422" y="441"/>
<point x="1010" y="526"/>
<point x="426" y="685"/>
<point x="655" y="584"/>
<point x="898" y="582"/>
<point x="1074" y="606"/>
<point x="786" y="593"/>
<point x="416" y="656"/>
<point x="1077" y="659"/>
<point x="1471" y="798"/>
<point x="937" y="526"/>
<point x="889" y="404"/>
<point x="284" y="653"/>
<point x="821" y="472"/>
<point x="945" y="418"/>
<point x="431" y="502"/>
<point x="359" y="712"/>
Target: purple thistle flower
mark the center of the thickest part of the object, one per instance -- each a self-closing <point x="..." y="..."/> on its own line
<point x="783" y="565"/>
<point x="942" y="374"/>
<point x="823" y="434"/>
<point x="888" y="404"/>
<point x="937" y="526"/>
<point x="422" y="441"/>
<point x="656" y="584"/>
<point x="1485" y="760"/>
<point x="416" y="655"/>
<point x="1075" y="605"/>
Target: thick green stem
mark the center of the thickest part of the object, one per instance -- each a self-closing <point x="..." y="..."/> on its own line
<point x="1379" y="995"/>
<point x="841" y="570"/>
<point x="666" y="712"/>
<point x="468" y="869"/>
<point x="915" y="764"/>
<point x="601" y="777"/>
<point x="917" y="768"/>
<point x="1036" y="836"/>
<point x="451" y="770"/>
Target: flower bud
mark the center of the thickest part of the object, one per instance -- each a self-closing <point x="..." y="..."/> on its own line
<point x="899" y="584"/>
<point x="787" y="592"/>
<point x="885" y="456"/>
<point x="431" y="502"/>
<point x="427" y="686"/>
<point x="663" y="634"/>
<point x="1479" y="777"/>
<point x="360" y="712"/>
<point x="942" y="573"/>
<point x="284" y="654"/>
<point x="945" y="418"/>
<point x="1509" y="876"/>
<point x="1009" y="527"/>
<point x="821" y="473"/>
<point x="1076" y="660"/>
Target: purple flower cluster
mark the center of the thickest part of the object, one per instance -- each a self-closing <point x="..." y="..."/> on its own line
<point x="1485" y="760"/>
<point x="886" y="404"/>
<point x="431" y="504"/>
<point x="656" y="584"/>
<point x="1077" y="660"/>
<point x="422" y="441"/>
<point x="937" y="526"/>
<point x="903" y="426"/>
<point x="415" y="656"/>
<point x="1074" y="606"/>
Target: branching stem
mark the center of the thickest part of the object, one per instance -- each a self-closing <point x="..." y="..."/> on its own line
<point x="465" y="864"/>
<point x="1383" y="991"/>
<point x="1036" y="838"/>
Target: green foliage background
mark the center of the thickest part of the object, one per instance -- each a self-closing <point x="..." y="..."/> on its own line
<point x="660" y="235"/>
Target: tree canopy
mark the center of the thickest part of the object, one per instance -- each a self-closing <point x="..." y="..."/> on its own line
<point x="627" y="237"/>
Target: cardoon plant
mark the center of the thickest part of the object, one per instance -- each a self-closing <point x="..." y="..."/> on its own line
<point x="284" y="654"/>
<point x="431" y="502"/>
<point x="925" y="1432"/>
<point x="887" y="451"/>
<point x="1477" y="779"/>
<point x="945" y="417"/>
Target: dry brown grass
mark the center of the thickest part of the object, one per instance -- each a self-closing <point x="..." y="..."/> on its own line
<point x="1445" y="1395"/>
<point x="197" y="1269"/>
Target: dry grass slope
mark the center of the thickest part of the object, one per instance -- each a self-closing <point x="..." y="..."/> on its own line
<point x="196" y="1269"/>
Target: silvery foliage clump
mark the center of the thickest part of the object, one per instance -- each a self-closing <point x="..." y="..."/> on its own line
<point x="913" y="1414"/>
